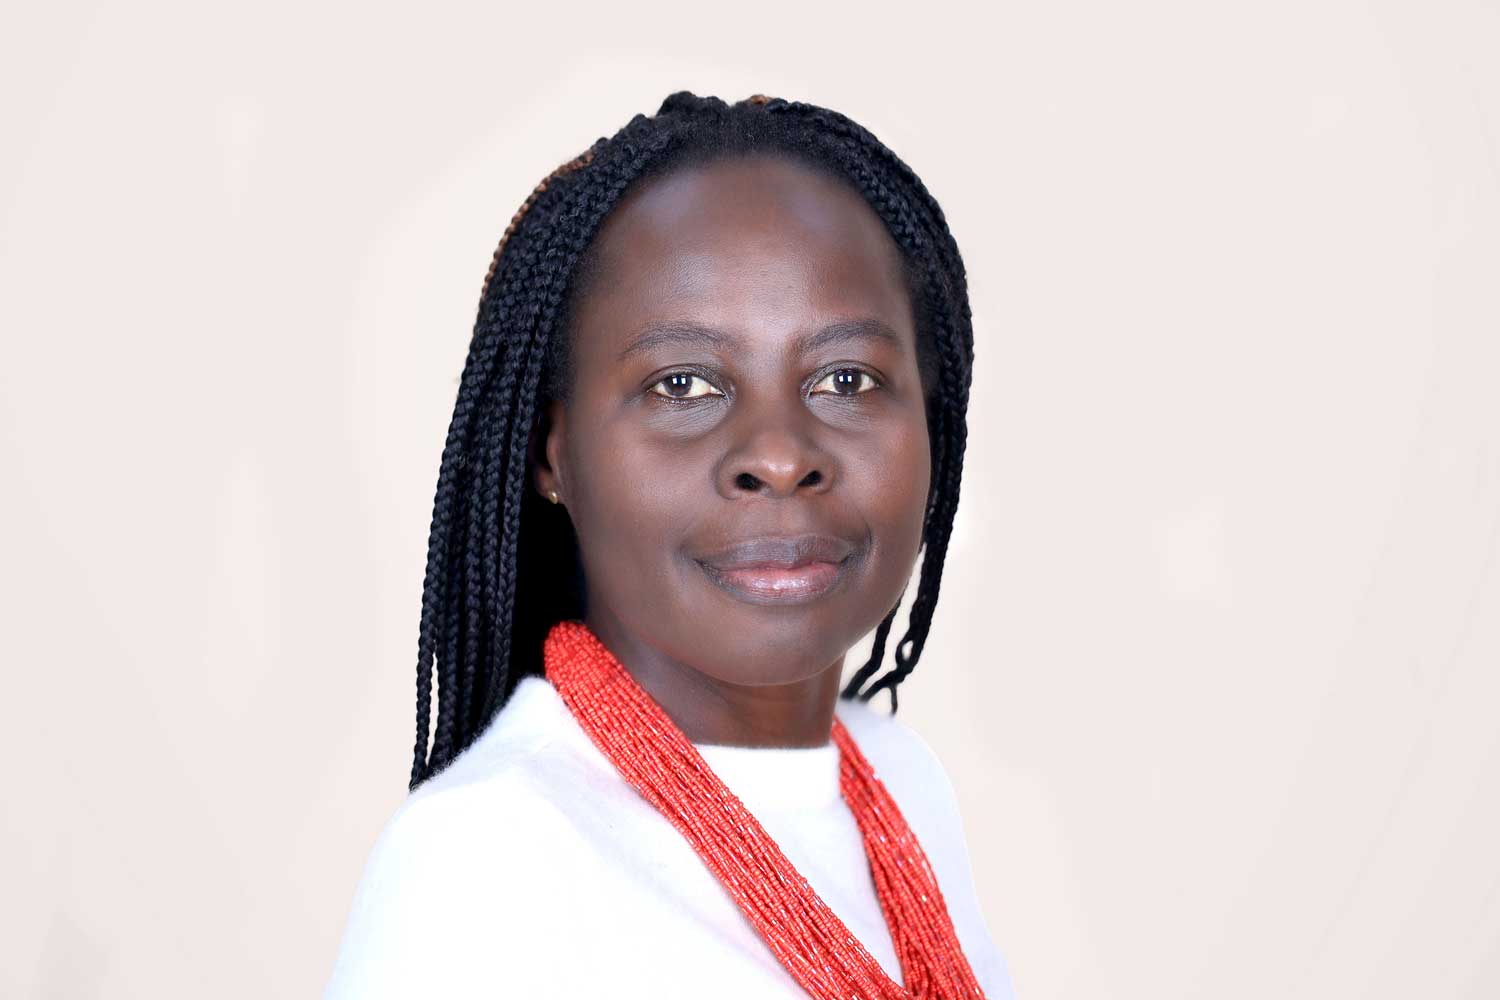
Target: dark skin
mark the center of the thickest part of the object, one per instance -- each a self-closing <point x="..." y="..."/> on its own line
<point x="688" y="444"/>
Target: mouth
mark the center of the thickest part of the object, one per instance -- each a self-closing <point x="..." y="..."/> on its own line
<point x="793" y="569"/>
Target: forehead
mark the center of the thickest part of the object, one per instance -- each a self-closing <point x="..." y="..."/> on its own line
<point x="739" y="241"/>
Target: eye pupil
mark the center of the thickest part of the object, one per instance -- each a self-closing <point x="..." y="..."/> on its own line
<point x="846" y="381"/>
<point x="684" y="386"/>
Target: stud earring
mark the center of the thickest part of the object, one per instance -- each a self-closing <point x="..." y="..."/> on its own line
<point x="552" y="495"/>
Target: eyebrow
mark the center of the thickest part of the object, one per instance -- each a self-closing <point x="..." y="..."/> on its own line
<point x="690" y="334"/>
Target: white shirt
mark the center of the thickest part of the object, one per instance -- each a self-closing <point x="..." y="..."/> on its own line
<point x="530" y="868"/>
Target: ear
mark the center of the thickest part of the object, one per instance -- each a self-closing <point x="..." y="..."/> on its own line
<point x="545" y="450"/>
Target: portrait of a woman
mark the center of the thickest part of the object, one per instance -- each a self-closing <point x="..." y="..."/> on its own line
<point x="709" y="434"/>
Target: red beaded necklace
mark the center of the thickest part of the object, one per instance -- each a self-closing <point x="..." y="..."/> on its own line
<point x="656" y="757"/>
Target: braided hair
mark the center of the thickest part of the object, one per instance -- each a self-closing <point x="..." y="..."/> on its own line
<point x="503" y="564"/>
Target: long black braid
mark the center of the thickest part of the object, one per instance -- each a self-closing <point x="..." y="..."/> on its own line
<point x="502" y="563"/>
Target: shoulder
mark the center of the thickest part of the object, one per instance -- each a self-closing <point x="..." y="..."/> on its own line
<point x="902" y="759"/>
<point x="916" y="778"/>
<point x="510" y="789"/>
<point x="505" y="787"/>
<point x="478" y="847"/>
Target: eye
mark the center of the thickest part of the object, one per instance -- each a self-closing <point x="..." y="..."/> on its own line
<point x="846" y="382"/>
<point x="679" y="385"/>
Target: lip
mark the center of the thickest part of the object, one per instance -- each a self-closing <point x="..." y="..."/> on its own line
<point x="779" y="570"/>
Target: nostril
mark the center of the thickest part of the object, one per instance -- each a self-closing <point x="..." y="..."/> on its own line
<point x="745" y="481"/>
<point x="813" y="478"/>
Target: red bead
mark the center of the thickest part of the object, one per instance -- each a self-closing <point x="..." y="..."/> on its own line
<point x="656" y="758"/>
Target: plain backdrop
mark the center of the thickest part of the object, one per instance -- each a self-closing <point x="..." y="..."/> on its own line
<point x="1216" y="667"/>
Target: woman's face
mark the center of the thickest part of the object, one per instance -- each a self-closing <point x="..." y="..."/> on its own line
<point x="744" y="454"/>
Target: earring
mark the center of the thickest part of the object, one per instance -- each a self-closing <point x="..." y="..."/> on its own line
<point x="552" y="495"/>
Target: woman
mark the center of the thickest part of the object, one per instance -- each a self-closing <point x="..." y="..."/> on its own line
<point x="713" y="411"/>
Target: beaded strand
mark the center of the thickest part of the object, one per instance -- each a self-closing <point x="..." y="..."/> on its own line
<point x="656" y="758"/>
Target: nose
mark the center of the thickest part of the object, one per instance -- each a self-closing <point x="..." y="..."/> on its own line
<point x="775" y="456"/>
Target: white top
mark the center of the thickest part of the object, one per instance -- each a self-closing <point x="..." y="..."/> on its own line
<point x="530" y="868"/>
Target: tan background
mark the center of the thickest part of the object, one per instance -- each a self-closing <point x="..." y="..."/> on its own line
<point x="1216" y="669"/>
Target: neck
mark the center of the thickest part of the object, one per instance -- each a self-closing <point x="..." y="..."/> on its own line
<point x="709" y="709"/>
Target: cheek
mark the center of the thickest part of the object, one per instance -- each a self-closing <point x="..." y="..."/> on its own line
<point x="899" y="455"/>
<point x="628" y="497"/>
<point x="894" y="480"/>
